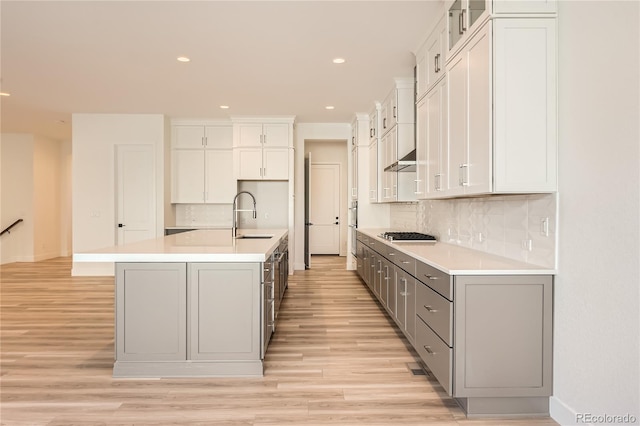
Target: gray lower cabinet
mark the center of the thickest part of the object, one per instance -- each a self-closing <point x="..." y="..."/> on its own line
<point x="487" y="339"/>
<point x="189" y="320"/>
<point x="224" y="311"/>
<point x="151" y="314"/>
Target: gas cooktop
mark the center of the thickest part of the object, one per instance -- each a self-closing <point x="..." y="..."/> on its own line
<point x="408" y="237"/>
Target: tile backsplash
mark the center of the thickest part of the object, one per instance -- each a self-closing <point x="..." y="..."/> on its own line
<point x="204" y="215"/>
<point x="520" y="227"/>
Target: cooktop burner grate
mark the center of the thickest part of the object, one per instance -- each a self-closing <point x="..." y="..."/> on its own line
<point x="407" y="236"/>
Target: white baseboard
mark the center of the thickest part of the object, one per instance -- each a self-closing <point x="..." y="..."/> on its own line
<point x="44" y="256"/>
<point x="562" y="413"/>
<point x="92" y="269"/>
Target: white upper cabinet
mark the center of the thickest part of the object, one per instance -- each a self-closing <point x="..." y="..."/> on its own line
<point x="432" y="163"/>
<point x="465" y="17"/>
<point x="398" y="105"/>
<point x="201" y="166"/>
<point x="502" y="98"/>
<point x="268" y="135"/>
<point x="262" y="148"/>
<point x="430" y="59"/>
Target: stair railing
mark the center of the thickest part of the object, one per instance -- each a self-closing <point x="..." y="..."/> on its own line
<point x="7" y="230"/>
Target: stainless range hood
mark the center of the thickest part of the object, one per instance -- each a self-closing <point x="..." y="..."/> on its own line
<point x="405" y="164"/>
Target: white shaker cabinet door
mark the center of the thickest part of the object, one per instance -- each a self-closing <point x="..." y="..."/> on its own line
<point x="187" y="136"/>
<point x="248" y="163"/>
<point x="275" y="164"/>
<point x="188" y="176"/>
<point x="220" y="185"/>
<point x="275" y="135"/>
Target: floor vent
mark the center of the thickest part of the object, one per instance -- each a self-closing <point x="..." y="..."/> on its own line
<point x="417" y="370"/>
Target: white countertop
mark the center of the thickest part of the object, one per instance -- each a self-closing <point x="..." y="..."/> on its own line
<point x="214" y="245"/>
<point x="457" y="260"/>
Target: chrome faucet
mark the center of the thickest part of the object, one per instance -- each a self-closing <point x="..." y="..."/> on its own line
<point x="234" y="226"/>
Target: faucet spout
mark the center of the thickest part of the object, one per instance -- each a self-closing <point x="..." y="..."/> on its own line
<point x="234" y="226"/>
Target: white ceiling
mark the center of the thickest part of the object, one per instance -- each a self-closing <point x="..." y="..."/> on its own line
<point x="258" y="57"/>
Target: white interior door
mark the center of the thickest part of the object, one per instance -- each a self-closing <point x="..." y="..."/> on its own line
<point x="135" y="193"/>
<point x="324" y="209"/>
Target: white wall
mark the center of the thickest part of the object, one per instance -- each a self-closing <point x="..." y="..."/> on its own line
<point x="66" y="218"/>
<point x="596" y="323"/>
<point x="308" y="132"/>
<point x="95" y="137"/>
<point x="32" y="186"/>
<point x="17" y="197"/>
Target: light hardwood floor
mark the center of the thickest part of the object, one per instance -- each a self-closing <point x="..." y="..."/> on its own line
<point x="335" y="359"/>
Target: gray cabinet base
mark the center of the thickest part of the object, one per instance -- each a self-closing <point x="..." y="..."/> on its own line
<point x="129" y="369"/>
<point x="512" y="406"/>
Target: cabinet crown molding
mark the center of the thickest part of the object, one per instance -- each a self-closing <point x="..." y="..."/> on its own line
<point x="263" y="118"/>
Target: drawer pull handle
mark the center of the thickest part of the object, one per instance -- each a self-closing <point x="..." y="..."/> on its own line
<point x="430" y="309"/>
<point x="392" y="254"/>
<point x="405" y="262"/>
<point x="431" y="277"/>
<point x="429" y="350"/>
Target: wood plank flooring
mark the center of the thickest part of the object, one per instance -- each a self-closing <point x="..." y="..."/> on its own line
<point x="335" y="359"/>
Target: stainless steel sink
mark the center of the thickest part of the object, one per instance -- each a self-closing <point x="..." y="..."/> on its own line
<point x="254" y="236"/>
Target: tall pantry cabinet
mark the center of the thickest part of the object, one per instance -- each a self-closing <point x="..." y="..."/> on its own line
<point x="201" y="162"/>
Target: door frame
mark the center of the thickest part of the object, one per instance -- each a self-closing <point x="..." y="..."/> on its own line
<point x="340" y="195"/>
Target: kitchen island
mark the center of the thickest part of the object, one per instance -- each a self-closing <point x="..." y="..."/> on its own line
<point x="194" y="304"/>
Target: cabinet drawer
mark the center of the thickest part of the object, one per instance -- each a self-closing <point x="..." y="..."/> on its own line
<point x="375" y="245"/>
<point x="405" y="262"/>
<point x="436" y="279"/>
<point x="435" y="354"/>
<point x="436" y="311"/>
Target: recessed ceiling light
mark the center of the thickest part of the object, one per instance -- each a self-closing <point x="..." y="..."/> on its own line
<point x="329" y="107"/>
<point x="5" y="94"/>
<point x="224" y="106"/>
<point x="339" y="60"/>
<point x="183" y="59"/>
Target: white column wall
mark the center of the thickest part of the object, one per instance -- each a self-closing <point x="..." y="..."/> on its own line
<point x="47" y="201"/>
<point x="596" y="322"/>
<point x="94" y="138"/>
<point x="17" y="197"/>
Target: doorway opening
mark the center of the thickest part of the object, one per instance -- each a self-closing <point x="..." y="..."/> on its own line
<point x="326" y="165"/>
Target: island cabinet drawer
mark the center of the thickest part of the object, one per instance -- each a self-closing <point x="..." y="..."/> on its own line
<point x="404" y="261"/>
<point x="436" y="279"/>
<point x="436" y="355"/>
<point x="435" y="311"/>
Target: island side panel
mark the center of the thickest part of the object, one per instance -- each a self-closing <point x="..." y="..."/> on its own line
<point x="151" y="312"/>
<point x="224" y="311"/>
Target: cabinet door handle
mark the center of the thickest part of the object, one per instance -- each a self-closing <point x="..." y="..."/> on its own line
<point x="463" y="14"/>
<point x="264" y="139"/>
<point x="384" y="123"/>
<point x="460" y="24"/>
<point x="435" y="64"/>
<point x="438" y="63"/>
<point x="392" y="254"/>
<point x="429" y="350"/>
<point x="405" y="262"/>
<point x="264" y="173"/>
<point x="394" y="112"/>
<point x="430" y="277"/>
<point x="430" y="309"/>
